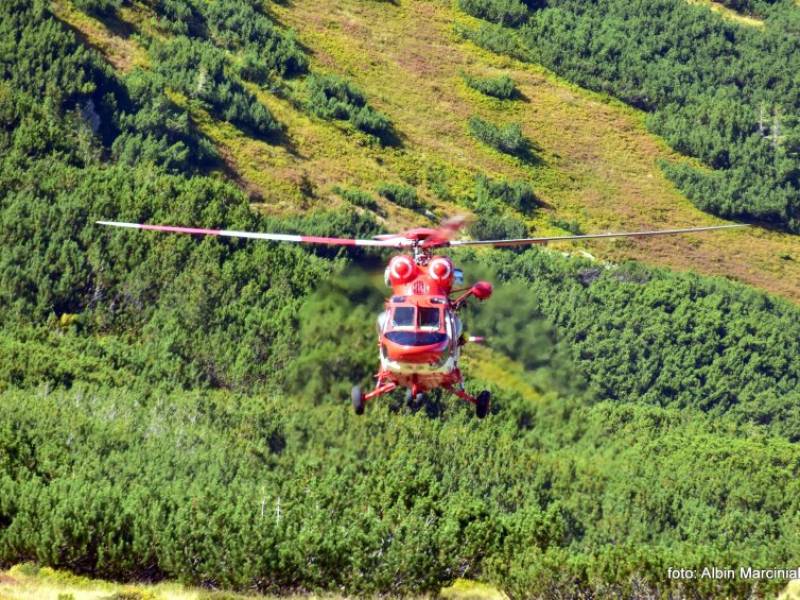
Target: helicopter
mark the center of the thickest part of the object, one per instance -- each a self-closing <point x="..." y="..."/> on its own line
<point x="420" y="334"/>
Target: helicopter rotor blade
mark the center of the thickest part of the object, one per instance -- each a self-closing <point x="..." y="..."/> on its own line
<point x="589" y="236"/>
<point x="395" y="242"/>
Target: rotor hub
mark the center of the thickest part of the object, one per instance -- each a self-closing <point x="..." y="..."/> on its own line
<point x="422" y="254"/>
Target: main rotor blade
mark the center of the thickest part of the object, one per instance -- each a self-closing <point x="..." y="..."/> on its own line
<point x="589" y="236"/>
<point x="275" y="237"/>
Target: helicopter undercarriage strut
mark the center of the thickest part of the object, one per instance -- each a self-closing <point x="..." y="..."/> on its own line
<point x="453" y="384"/>
<point x="462" y="393"/>
<point x="380" y="390"/>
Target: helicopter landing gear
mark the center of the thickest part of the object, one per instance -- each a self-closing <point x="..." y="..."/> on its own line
<point x="416" y="401"/>
<point x="482" y="404"/>
<point x="358" y="400"/>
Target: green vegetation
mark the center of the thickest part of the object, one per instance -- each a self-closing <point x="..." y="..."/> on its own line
<point x="714" y="89"/>
<point x="495" y="38"/>
<point x="519" y="195"/>
<point x="359" y="198"/>
<point x="235" y="26"/>
<point x="240" y="26"/>
<point x="501" y="87"/>
<point x="200" y="71"/>
<point x="494" y="226"/>
<point x="493" y="201"/>
<point x="506" y="12"/>
<point x="751" y="7"/>
<point x="137" y="122"/>
<point x="402" y="195"/>
<point x="506" y="138"/>
<point x="572" y="226"/>
<point x="173" y="407"/>
<point x="241" y="492"/>
<point x="654" y="337"/>
<point x="159" y="132"/>
<point x="99" y="7"/>
<point x="334" y="98"/>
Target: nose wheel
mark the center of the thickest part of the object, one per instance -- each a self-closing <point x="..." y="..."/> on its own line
<point x="415" y="402"/>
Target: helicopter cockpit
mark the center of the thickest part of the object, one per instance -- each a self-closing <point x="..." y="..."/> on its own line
<point x="413" y="325"/>
<point x="419" y="331"/>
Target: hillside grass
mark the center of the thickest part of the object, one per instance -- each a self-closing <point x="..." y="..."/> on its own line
<point x="258" y="165"/>
<point x="29" y="582"/>
<point x="597" y="162"/>
<point x="729" y="13"/>
<point x="117" y="47"/>
<point x="594" y="162"/>
<point x="792" y="591"/>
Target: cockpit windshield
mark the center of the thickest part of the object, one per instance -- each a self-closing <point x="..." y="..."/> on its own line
<point x="425" y="317"/>
<point x="403" y="316"/>
<point x="429" y="317"/>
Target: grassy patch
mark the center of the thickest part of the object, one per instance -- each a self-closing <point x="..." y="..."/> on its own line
<point x="484" y="364"/>
<point x="792" y="591"/>
<point x="599" y="164"/>
<point x="598" y="168"/>
<point x="29" y="582"/>
<point x="122" y="51"/>
<point x="729" y="13"/>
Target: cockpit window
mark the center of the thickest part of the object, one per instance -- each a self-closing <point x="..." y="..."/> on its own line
<point x="403" y="316"/>
<point x="429" y="317"/>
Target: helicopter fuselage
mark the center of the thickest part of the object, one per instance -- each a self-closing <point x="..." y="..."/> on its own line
<point x="420" y="334"/>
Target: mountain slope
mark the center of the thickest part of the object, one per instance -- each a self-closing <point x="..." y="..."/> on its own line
<point x="176" y="407"/>
<point x="595" y="163"/>
<point x="600" y="165"/>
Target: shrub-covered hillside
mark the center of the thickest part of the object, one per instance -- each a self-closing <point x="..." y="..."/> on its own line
<point x="176" y="408"/>
<point x="591" y="161"/>
<point x="714" y="89"/>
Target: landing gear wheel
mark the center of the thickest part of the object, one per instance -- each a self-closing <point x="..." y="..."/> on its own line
<point x="358" y="400"/>
<point x="482" y="404"/>
<point x="415" y="402"/>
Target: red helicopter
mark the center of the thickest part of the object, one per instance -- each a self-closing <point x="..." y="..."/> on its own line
<point x="419" y="333"/>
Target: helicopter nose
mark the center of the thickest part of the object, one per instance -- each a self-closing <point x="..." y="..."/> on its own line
<point x="415" y="347"/>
